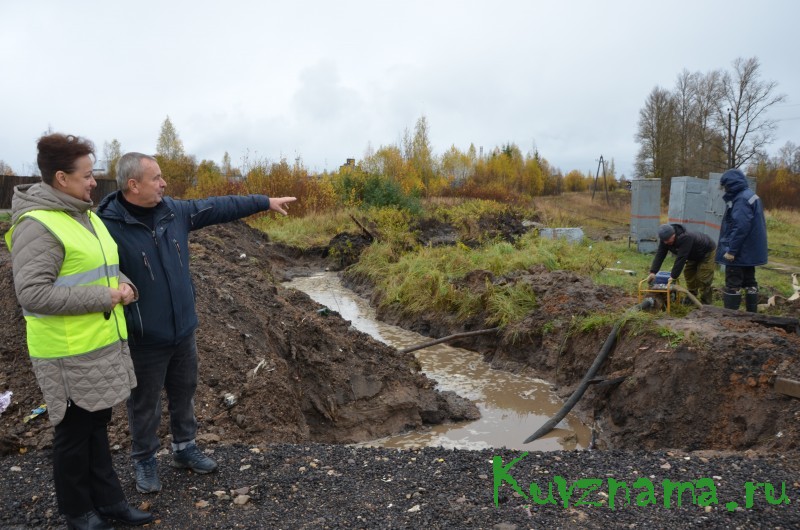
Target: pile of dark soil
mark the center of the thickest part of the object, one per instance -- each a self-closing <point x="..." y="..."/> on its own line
<point x="505" y="225"/>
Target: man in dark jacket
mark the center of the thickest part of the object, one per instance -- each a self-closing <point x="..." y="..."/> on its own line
<point x="694" y="256"/>
<point x="152" y="235"/>
<point x="742" y="240"/>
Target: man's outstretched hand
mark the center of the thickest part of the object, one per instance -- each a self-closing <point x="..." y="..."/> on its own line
<point x="281" y="204"/>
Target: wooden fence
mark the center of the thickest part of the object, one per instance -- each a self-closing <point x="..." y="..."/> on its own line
<point x="104" y="187"/>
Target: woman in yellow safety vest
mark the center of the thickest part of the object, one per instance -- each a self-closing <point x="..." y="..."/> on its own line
<point x="67" y="280"/>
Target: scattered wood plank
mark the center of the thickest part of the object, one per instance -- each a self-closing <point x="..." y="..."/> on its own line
<point x="449" y="338"/>
<point x="364" y="229"/>
<point x="790" y="324"/>
<point x="788" y="387"/>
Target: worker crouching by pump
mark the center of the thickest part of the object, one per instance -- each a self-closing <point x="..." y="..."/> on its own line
<point x="742" y="240"/>
<point x="694" y="257"/>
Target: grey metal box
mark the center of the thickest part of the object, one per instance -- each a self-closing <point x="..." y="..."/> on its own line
<point x="688" y="202"/>
<point x="645" y="213"/>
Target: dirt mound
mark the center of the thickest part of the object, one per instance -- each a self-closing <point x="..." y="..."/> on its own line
<point x="345" y="249"/>
<point x="507" y="225"/>
<point x="708" y="383"/>
<point x="434" y="233"/>
<point x="273" y="367"/>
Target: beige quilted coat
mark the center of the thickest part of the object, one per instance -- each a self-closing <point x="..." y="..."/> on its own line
<point x="96" y="380"/>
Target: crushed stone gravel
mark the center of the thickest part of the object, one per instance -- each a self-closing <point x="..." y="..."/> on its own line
<point x="338" y="486"/>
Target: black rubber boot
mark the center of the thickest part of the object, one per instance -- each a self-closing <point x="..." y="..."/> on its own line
<point x="731" y="300"/>
<point x="751" y="302"/>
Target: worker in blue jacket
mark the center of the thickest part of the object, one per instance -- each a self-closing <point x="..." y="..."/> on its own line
<point x="152" y="236"/>
<point x="742" y="240"/>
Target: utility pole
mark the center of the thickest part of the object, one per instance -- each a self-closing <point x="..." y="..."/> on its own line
<point x="730" y="142"/>
<point x="605" y="183"/>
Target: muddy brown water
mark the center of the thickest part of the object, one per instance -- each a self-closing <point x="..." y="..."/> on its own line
<point x="512" y="406"/>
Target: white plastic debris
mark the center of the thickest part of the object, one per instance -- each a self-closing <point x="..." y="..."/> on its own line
<point x="5" y="400"/>
<point x="573" y="235"/>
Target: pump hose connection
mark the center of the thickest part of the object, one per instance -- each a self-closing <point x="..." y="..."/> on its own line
<point x="686" y="292"/>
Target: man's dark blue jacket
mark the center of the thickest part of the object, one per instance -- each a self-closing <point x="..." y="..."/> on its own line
<point x="688" y="246"/>
<point x="157" y="261"/>
<point x="744" y="230"/>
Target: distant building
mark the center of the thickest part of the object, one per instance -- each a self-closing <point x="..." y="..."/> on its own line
<point x="100" y="168"/>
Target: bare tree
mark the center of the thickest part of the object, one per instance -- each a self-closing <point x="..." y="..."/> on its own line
<point x="746" y="100"/>
<point x="710" y="140"/>
<point x="789" y="157"/>
<point x="686" y="120"/>
<point x="693" y="142"/>
<point x="656" y="136"/>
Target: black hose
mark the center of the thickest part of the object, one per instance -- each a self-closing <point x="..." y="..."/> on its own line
<point x="584" y="384"/>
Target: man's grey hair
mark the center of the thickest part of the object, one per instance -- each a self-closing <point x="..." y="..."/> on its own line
<point x="129" y="166"/>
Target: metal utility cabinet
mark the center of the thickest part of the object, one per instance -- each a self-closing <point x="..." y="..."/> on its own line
<point x="645" y="213"/>
<point x="695" y="203"/>
<point x="688" y="203"/>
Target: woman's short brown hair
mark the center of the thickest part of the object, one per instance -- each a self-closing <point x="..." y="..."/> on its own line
<point x="58" y="152"/>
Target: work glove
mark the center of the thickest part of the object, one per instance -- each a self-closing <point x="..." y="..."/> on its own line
<point x="651" y="277"/>
<point x="728" y="256"/>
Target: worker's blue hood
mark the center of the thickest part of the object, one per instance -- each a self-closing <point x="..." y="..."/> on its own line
<point x="733" y="181"/>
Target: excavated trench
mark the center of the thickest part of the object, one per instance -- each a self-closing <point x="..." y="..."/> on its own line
<point x="511" y="405"/>
<point x="273" y="368"/>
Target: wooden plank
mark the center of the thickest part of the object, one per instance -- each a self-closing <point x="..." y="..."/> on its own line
<point x="789" y="387"/>
<point x="789" y="324"/>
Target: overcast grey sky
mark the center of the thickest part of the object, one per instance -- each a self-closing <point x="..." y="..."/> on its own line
<point x="323" y="80"/>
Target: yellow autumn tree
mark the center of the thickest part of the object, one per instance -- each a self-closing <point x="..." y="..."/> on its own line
<point x="209" y="180"/>
<point x="534" y="177"/>
<point x="456" y="166"/>
<point x="178" y="168"/>
<point x="575" y="181"/>
<point x="419" y="156"/>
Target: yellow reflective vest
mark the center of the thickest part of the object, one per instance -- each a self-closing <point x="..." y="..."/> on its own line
<point x="89" y="259"/>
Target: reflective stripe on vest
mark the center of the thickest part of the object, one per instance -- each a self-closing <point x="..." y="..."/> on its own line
<point x="89" y="259"/>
